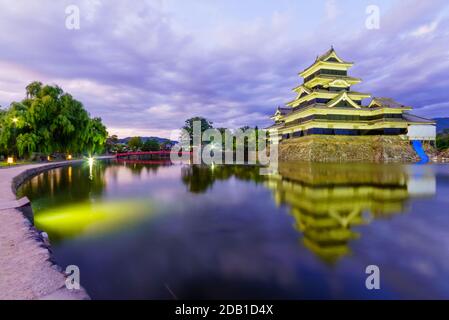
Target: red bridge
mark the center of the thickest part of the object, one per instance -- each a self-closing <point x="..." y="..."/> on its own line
<point x="161" y="154"/>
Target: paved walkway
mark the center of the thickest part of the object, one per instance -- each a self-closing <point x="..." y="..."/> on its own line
<point x="26" y="270"/>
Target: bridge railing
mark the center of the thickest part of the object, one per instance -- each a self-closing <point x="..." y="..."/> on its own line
<point x="143" y="153"/>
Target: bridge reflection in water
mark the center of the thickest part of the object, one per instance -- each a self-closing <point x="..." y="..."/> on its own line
<point x="329" y="201"/>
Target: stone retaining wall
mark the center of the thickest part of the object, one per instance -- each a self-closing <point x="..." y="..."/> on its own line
<point x="27" y="174"/>
<point x="27" y="270"/>
<point x="320" y="148"/>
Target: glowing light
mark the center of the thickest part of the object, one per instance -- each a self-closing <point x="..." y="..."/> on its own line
<point x="215" y="146"/>
<point x="10" y="160"/>
<point x="69" y="157"/>
<point x="92" y="218"/>
<point x="15" y="119"/>
<point x="48" y="158"/>
<point x="91" y="161"/>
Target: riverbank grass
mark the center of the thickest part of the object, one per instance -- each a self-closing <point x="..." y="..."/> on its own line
<point x="4" y="164"/>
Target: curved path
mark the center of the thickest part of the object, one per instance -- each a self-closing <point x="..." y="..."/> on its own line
<point x="26" y="269"/>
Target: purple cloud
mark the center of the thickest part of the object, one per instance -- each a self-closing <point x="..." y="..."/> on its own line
<point x="144" y="70"/>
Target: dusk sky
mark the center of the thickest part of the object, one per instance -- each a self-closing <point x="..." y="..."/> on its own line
<point x="146" y="66"/>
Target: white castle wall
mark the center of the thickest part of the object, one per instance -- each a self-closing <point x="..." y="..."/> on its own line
<point x="421" y="132"/>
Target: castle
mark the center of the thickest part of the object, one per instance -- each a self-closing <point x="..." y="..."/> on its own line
<point x="326" y="106"/>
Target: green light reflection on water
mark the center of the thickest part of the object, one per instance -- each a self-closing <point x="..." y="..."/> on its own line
<point x="89" y="218"/>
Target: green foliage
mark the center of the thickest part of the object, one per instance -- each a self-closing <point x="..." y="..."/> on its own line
<point x="442" y="140"/>
<point x="135" y="143"/>
<point x="49" y="121"/>
<point x="95" y="136"/>
<point x="112" y="139"/>
<point x="119" y="148"/>
<point x="112" y="143"/>
<point x="251" y="139"/>
<point x="166" y="145"/>
<point x="188" y="127"/>
<point x="199" y="178"/>
<point x="151" y="145"/>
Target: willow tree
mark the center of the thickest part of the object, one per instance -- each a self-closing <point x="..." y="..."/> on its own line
<point x="50" y="121"/>
<point x="3" y="150"/>
<point x="95" y="137"/>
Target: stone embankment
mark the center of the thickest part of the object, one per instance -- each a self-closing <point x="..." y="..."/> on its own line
<point x="26" y="267"/>
<point x="347" y="149"/>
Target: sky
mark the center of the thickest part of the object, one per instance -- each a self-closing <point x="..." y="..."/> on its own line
<point x="144" y="67"/>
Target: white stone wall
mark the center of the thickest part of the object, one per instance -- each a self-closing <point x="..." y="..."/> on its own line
<point x="422" y="132"/>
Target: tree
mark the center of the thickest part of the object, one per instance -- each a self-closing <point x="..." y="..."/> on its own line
<point x="95" y="139"/>
<point x="151" y="145"/>
<point x="188" y="127"/>
<point x="120" y="148"/>
<point x="11" y="123"/>
<point x="223" y="137"/>
<point x="442" y="140"/>
<point x="135" y="143"/>
<point x="167" y="145"/>
<point x="2" y="115"/>
<point x="113" y="139"/>
<point x="111" y="143"/>
<point x="50" y="121"/>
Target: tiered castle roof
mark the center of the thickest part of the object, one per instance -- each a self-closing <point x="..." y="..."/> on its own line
<point x="327" y="82"/>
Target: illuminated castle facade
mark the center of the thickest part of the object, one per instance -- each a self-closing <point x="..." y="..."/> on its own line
<point x="326" y="105"/>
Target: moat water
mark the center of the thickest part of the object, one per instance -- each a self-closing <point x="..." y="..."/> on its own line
<point x="174" y="231"/>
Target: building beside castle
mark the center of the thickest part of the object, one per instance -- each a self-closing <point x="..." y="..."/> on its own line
<point x="326" y="105"/>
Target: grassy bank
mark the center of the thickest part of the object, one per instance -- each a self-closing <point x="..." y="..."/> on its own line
<point x="18" y="163"/>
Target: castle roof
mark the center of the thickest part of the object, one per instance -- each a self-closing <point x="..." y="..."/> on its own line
<point x="413" y="118"/>
<point x="386" y="102"/>
<point x="328" y="56"/>
<point x="284" y="110"/>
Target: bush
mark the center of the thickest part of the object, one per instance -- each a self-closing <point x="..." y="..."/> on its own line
<point x="151" y="145"/>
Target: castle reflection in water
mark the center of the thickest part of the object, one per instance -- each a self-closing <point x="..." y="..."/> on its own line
<point x="329" y="201"/>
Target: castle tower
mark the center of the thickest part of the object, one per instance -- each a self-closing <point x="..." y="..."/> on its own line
<point x="326" y="105"/>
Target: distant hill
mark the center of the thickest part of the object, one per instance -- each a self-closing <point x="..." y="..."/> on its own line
<point x="159" y="140"/>
<point x="442" y="124"/>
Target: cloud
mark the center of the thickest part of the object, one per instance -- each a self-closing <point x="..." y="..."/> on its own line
<point x="144" y="72"/>
<point x="425" y="29"/>
<point x="331" y="10"/>
<point x="434" y="110"/>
